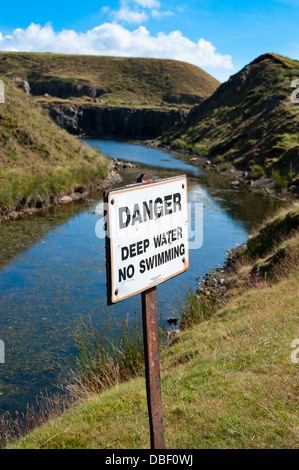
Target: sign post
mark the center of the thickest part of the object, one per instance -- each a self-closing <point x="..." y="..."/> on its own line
<point x="151" y="358"/>
<point x="146" y="244"/>
<point x="152" y="367"/>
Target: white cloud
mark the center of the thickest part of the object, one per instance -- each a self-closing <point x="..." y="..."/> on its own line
<point x="105" y="10"/>
<point x="159" y="14"/>
<point x="129" y="16"/>
<point x="137" y="11"/>
<point x="148" y="3"/>
<point x="113" y="39"/>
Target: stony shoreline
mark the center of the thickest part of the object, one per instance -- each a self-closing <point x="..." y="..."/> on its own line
<point x="238" y="177"/>
<point x="79" y="193"/>
<point x="215" y="281"/>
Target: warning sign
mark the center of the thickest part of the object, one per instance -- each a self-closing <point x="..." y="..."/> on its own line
<point x="146" y="235"/>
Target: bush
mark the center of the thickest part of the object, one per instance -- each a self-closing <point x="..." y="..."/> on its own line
<point x="280" y="181"/>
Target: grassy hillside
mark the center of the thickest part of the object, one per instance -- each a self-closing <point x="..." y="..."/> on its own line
<point x="227" y="382"/>
<point x="250" y="122"/>
<point x="39" y="161"/>
<point x="110" y="80"/>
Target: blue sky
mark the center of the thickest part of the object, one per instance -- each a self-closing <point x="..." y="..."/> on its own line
<point x="219" y="36"/>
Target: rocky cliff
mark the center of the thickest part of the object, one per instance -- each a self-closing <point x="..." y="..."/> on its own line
<point x="114" y="122"/>
<point x="60" y="88"/>
<point x="118" y="97"/>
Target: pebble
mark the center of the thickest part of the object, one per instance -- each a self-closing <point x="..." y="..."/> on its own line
<point x="66" y="199"/>
<point x="120" y="164"/>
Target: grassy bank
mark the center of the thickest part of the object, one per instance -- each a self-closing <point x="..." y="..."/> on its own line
<point x="39" y="162"/>
<point x="228" y="380"/>
<point x="226" y="383"/>
<point x="249" y="123"/>
<point x="270" y="254"/>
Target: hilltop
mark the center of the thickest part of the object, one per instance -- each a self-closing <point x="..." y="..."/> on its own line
<point x="39" y="162"/>
<point x="249" y="123"/>
<point x="116" y="81"/>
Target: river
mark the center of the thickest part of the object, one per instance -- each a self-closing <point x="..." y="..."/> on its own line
<point x="53" y="269"/>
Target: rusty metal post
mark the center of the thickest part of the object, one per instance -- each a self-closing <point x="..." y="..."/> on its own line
<point x="151" y="356"/>
<point x="152" y="367"/>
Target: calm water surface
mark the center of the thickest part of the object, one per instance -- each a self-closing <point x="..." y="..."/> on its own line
<point x="53" y="269"/>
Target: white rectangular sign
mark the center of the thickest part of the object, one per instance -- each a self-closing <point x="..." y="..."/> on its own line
<point x="146" y="236"/>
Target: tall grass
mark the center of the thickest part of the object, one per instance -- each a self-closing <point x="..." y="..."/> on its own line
<point x="105" y="358"/>
<point x="197" y="307"/>
<point x="46" y="406"/>
<point x="109" y="355"/>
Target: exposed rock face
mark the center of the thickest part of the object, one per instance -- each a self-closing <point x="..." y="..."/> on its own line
<point x="61" y="89"/>
<point x="114" y="122"/>
<point x="23" y="84"/>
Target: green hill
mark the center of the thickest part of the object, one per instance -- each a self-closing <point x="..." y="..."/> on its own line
<point x="249" y="122"/>
<point x="39" y="162"/>
<point x="110" y="80"/>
